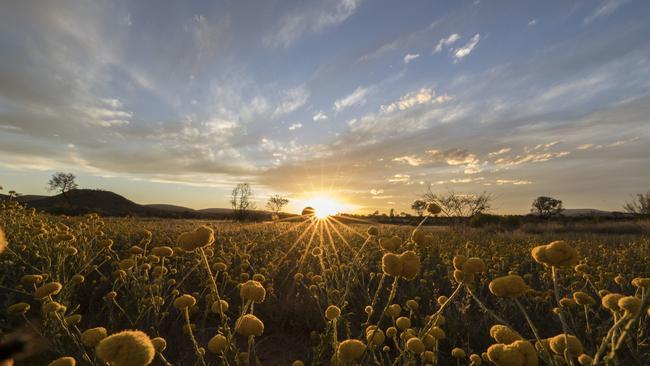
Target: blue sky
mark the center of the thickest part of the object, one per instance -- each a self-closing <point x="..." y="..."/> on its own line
<point x="372" y="101"/>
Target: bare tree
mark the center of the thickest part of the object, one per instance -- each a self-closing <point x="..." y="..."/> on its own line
<point x="640" y="204"/>
<point x="62" y="182"/>
<point x="276" y="202"/>
<point x="547" y="206"/>
<point x="241" y="200"/>
<point x="459" y="204"/>
<point x="419" y="206"/>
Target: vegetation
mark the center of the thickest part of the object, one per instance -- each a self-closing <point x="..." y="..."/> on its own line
<point x="241" y="200"/>
<point x="547" y="206"/>
<point x="640" y="204"/>
<point x="318" y="291"/>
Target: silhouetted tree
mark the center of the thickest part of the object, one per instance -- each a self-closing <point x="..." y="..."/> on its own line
<point x="459" y="204"/>
<point x="241" y="200"/>
<point x="639" y="205"/>
<point x="276" y="202"/>
<point x="547" y="206"/>
<point x="419" y="206"/>
<point x="62" y="182"/>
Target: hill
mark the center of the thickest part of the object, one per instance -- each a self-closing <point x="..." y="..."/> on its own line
<point x="81" y="201"/>
<point x="169" y="208"/>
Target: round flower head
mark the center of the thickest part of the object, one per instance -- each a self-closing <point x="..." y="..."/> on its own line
<point x="410" y="264"/>
<point x="63" y="361"/>
<point x="390" y="244"/>
<point x="217" y="344"/>
<point x="641" y="282"/>
<point x="163" y="251"/>
<point x="249" y="325"/>
<point x="631" y="305"/>
<point x="223" y="304"/>
<point x="558" y="344"/>
<point x="582" y="298"/>
<point x="508" y="286"/>
<point x="332" y="312"/>
<point x="126" y="348"/>
<point x="458" y="353"/>
<point x="433" y="208"/>
<point x="252" y="291"/>
<point x="48" y="289"/>
<point x="403" y="323"/>
<point x="610" y="301"/>
<point x="202" y="236"/>
<point x="350" y="350"/>
<point x="473" y="265"/>
<point x="29" y="280"/>
<point x="374" y="336"/>
<point x="415" y="345"/>
<point x="373" y="231"/>
<point x="391" y="264"/>
<point x="3" y="240"/>
<point x="557" y="254"/>
<point x="184" y="301"/>
<point x="504" y="334"/>
<point x="438" y="333"/>
<point x="519" y="353"/>
<point x="18" y="308"/>
<point x="91" y="337"/>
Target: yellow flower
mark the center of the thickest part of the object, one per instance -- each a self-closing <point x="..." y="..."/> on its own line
<point x="631" y="305"/>
<point x="48" y="289"/>
<point x="504" y="334"/>
<point x="91" y="337"/>
<point x="557" y="254"/>
<point x="559" y="343"/>
<point x="415" y="345"/>
<point x="159" y="344"/>
<point x="126" y="348"/>
<point x="18" y="308"/>
<point x="458" y="353"/>
<point x="249" y="325"/>
<point x="252" y="291"/>
<point x="184" y="301"/>
<point x="200" y="237"/>
<point x="332" y="312"/>
<point x="350" y="350"/>
<point x="217" y="344"/>
<point x="508" y="286"/>
<point x="582" y="298"/>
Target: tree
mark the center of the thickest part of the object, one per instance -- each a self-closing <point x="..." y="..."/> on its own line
<point x="639" y="205"/>
<point x="419" y="206"/>
<point x="459" y="204"/>
<point x="547" y="206"/>
<point x="62" y="182"/>
<point x="276" y="202"/>
<point x="241" y="200"/>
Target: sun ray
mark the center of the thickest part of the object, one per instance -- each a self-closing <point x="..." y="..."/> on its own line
<point x="284" y="257"/>
<point x="357" y="219"/>
<point x="341" y="236"/>
<point x="350" y="228"/>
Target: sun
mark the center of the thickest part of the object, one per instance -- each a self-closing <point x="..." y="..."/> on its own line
<point x="324" y="206"/>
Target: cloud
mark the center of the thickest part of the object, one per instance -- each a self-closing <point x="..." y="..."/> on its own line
<point x="375" y="192"/>
<point x="295" y="126"/>
<point x="410" y="57"/>
<point x="607" y="7"/>
<point x="500" y="151"/>
<point x="310" y="21"/>
<point x="444" y="42"/>
<point x="532" y="23"/>
<point x="467" y="48"/>
<point x="412" y="160"/>
<point x="400" y="178"/>
<point x="292" y="100"/>
<point x="516" y="182"/>
<point x="530" y="158"/>
<point x="409" y="100"/>
<point x="320" y="116"/>
<point x="357" y="97"/>
<point x="584" y="147"/>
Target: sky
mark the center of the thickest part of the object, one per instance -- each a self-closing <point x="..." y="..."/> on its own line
<point x="370" y="102"/>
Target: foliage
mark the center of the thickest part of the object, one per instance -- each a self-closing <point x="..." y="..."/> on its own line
<point x="276" y="203"/>
<point x="62" y="182"/>
<point x="547" y="206"/>
<point x="419" y="206"/>
<point x="241" y="200"/>
<point x="640" y="204"/>
<point x="460" y="205"/>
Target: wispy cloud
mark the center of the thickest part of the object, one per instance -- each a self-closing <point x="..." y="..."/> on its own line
<point x="410" y="57"/>
<point x="464" y="51"/>
<point x="607" y="7"/>
<point x="301" y="23"/>
<point x="320" y="116"/>
<point x="357" y="97"/>
<point x="295" y="126"/>
<point x="445" y="42"/>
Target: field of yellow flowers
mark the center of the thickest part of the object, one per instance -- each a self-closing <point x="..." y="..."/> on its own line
<point x="134" y="292"/>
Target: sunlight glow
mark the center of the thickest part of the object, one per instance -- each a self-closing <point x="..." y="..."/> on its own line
<point x="324" y="206"/>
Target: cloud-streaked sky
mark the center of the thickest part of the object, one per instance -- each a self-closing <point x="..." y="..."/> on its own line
<point x="175" y="102"/>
